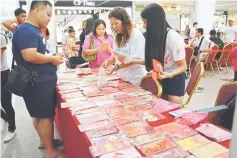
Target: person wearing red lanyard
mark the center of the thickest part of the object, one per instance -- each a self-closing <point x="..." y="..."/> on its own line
<point x="20" y="19"/>
<point x="166" y="46"/>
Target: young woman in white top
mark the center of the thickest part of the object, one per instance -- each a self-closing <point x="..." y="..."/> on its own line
<point x="166" y="46"/>
<point x="129" y="51"/>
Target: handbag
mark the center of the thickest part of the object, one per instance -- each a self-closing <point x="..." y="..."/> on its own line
<point x="92" y="46"/>
<point x="19" y="78"/>
<point x="74" y="61"/>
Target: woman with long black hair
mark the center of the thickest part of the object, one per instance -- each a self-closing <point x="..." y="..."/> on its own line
<point x="166" y="46"/>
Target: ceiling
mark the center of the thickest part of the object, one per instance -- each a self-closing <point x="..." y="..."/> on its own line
<point x="105" y="3"/>
<point x="188" y="5"/>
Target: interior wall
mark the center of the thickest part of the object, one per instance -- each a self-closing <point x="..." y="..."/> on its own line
<point x="233" y="14"/>
<point x="7" y="13"/>
<point x="174" y="21"/>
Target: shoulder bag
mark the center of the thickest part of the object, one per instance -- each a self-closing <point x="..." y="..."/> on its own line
<point x="86" y="57"/>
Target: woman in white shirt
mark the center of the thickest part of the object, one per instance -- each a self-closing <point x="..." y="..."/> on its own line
<point x="166" y="46"/>
<point x="129" y="52"/>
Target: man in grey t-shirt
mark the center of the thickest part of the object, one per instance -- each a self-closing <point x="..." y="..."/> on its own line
<point x="6" y="96"/>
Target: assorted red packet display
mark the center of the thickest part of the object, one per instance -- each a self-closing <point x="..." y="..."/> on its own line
<point x="191" y="118"/>
<point x="120" y="112"/>
<point x="129" y="104"/>
<point x="108" y="90"/>
<point x="103" y="131"/>
<point x="192" y="142"/>
<point x="209" y="150"/>
<point x="173" y="126"/>
<point x="157" y="146"/>
<point x="94" y="118"/>
<point x="73" y="103"/>
<point x="109" y="147"/>
<point x="165" y="106"/>
<point x="105" y="139"/>
<point x="147" y="138"/>
<point x="141" y="107"/>
<point x="124" y="96"/>
<point x="130" y="152"/>
<point x="224" y="155"/>
<point x="172" y="153"/>
<point x="215" y="133"/>
<point x="126" y="120"/>
<point x="117" y="117"/>
<point x="85" y="111"/>
<point x="94" y="125"/>
<point x="68" y="87"/>
<point x="129" y="100"/>
<point x="135" y="129"/>
<point x="111" y="105"/>
<point x="181" y="134"/>
<point x="153" y="118"/>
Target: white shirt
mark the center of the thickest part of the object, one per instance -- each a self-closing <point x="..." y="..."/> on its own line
<point x="135" y="48"/>
<point x="174" y="50"/>
<point x="193" y="32"/>
<point x="205" y="43"/>
<point x="4" y="65"/>
<point x="230" y="33"/>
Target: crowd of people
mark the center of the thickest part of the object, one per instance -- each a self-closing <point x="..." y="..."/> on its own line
<point x="128" y="52"/>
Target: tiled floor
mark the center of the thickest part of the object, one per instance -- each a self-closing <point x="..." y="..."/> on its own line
<point x="24" y="145"/>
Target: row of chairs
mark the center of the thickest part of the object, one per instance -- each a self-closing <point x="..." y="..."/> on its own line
<point x="226" y="55"/>
<point x="155" y="87"/>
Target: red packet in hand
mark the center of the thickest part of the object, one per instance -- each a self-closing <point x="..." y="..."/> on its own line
<point x="157" y="68"/>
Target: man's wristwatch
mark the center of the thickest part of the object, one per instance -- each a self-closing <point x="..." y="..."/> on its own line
<point x="116" y="67"/>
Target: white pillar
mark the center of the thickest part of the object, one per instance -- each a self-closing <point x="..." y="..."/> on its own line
<point x="133" y="12"/>
<point x="52" y="30"/>
<point x="204" y="14"/>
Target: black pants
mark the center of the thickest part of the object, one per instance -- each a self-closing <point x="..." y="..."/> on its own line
<point x="6" y="101"/>
<point x="235" y="79"/>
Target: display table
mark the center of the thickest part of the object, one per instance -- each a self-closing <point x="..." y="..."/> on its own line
<point x="76" y="143"/>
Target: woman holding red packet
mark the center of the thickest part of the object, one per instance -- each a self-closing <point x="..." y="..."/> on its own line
<point x="166" y="46"/>
<point x="129" y="48"/>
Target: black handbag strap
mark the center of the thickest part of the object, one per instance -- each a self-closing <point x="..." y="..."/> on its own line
<point x="12" y="67"/>
<point x="200" y="43"/>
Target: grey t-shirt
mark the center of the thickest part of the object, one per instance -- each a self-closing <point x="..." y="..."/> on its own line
<point x="4" y="65"/>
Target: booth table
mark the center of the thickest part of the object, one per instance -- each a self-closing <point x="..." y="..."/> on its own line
<point x="76" y="143"/>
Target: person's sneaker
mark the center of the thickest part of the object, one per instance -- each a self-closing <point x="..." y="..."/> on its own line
<point x="9" y="136"/>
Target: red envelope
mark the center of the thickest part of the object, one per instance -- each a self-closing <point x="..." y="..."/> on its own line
<point x="157" y="68"/>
